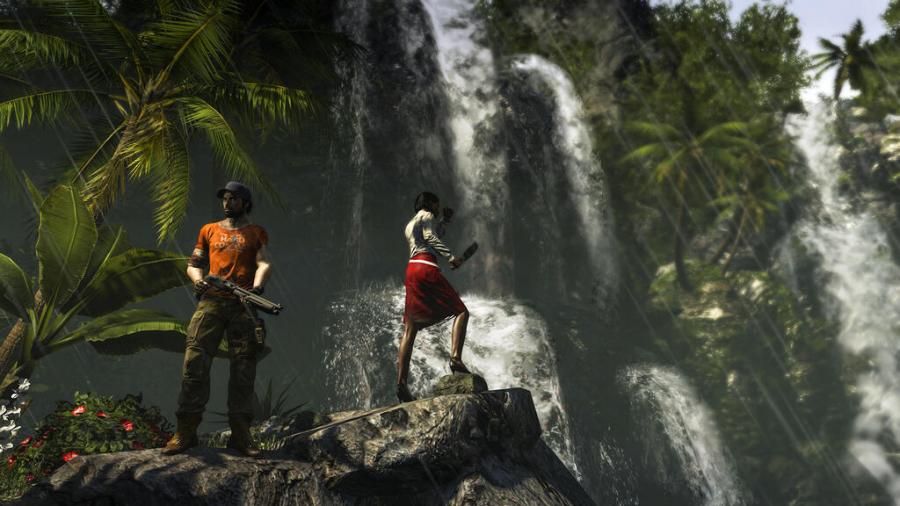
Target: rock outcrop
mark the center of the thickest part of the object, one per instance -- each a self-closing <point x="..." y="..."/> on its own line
<point x="454" y="449"/>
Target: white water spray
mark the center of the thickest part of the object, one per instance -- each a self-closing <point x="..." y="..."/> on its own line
<point x="676" y="419"/>
<point x="507" y="344"/>
<point x="587" y="182"/>
<point x="864" y="285"/>
<point x="470" y="82"/>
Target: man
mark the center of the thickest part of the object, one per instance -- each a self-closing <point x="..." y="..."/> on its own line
<point x="429" y="297"/>
<point x="232" y="249"/>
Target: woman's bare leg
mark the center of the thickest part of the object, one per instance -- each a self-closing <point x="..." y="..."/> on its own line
<point x="405" y="353"/>
<point x="458" y="338"/>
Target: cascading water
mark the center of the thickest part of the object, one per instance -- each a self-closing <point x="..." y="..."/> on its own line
<point x="350" y="112"/>
<point x="470" y="82"/>
<point x="863" y="284"/>
<point x="677" y="422"/>
<point x="508" y="345"/>
<point x="586" y="181"/>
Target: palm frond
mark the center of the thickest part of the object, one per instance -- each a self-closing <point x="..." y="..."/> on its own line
<point x="661" y="131"/>
<point x="142" y="147"/>
<point x="171" y="186"/>
<point x="30" y="49"/>
<point x="196" y="42"/>
<point x="199" y="115"/>
<point x="264" y="105"/>
<point x="652" y="151"/>
<point x="830" y="47"/>
<point x="90" y="22"/>
<point x="43" y="107"/>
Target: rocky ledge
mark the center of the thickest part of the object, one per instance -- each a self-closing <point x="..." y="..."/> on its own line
<point x="449" y="450"/>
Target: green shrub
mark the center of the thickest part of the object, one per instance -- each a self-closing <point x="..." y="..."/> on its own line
<point x="92" y="424"/>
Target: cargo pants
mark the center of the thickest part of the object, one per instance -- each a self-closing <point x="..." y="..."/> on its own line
<point x="214" y="318"/>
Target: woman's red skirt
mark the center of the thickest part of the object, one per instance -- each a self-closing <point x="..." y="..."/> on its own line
<point x="429" y="297"/>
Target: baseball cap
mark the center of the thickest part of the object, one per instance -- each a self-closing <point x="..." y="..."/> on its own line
<point x="237" y="189"/>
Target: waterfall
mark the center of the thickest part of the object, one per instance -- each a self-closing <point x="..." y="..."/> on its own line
<point x="863" y="284"/>
<point x="507" y="343"/>
<point x="675" y="422"/>
<point x="349" y="110"/>
<point x="470" y="82"/>
<point x="585" y="177"/>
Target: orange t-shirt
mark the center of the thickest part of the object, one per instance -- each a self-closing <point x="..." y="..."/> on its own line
<point x="232" y="253"/>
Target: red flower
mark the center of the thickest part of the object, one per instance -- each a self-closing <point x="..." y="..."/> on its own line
<point x="101" y="414"/>
<point x="79" y="410"/>
<point x="69" y="456"/>
<point x="25" y="441"/>
<point x="10" y="461"/>
<point x="127" y="425"/>
<point x="137" y="445"/>
<point x="29" y="478"/>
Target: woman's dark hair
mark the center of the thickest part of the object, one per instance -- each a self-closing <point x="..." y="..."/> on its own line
<point x="424" y="199"/>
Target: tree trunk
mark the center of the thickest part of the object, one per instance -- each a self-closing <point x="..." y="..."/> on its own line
<point x="737" y="241"/>
<point x="729" y="238"/>
<point x="11" y="348"/>
<point x="680" y="269"/>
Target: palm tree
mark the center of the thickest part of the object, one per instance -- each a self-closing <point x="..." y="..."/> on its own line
<point x="849" y="60"/>
<point x="140" y="99"/>
<point x="751" y="189"/>
<point x="684" y="162"/>
<point x="145" y="95"/>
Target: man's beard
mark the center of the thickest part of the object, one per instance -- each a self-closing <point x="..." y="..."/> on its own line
<point x="229" y="213"/>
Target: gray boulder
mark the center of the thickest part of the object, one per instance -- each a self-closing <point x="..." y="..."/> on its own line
<point x="453" y="449"/>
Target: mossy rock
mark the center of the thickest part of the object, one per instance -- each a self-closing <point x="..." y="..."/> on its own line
<point x="460" y="384"/>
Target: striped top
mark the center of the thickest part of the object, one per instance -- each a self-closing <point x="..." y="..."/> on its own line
<point x="424" y="234"/>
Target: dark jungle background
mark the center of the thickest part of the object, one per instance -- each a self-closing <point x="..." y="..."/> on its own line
<point x="694" y="270"/>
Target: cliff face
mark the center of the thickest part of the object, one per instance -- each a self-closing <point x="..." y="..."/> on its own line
<point x="454" y="449"/>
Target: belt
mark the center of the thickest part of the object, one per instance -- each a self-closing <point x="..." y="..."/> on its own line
<point x="426" y="262"/>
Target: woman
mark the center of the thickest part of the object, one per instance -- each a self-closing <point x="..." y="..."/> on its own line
<point x="429" y="297"/>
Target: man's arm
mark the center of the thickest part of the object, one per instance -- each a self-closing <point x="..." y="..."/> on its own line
<point x="263" y="267"/>
<point x="196" y="265"/>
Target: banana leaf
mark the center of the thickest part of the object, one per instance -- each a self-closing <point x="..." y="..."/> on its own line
<point x="130" y="330"/>
<point x="132" y="276"/>
<point x="110" y="242"/>
<point x="66" y="238"/>
<point x="15" y="288"/>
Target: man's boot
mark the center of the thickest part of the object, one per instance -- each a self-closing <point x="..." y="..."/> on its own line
<point x="185" y="434"/>
<point x="240" y="436"/>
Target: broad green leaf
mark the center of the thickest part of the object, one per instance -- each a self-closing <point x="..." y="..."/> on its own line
<point x="132" y="276"/>
<point x="66" y="238"/>
<point x="110" y="242"/>
<point x="15" y="288"/>
<point x="130" y="330"/>
<point x="37" y="199"/>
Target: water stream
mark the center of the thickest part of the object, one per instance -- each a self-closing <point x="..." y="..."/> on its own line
<point x="863" y="284"/>
<point x="676" y="425"/>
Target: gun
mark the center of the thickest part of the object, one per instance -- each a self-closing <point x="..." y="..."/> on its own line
<point x="251" y="303"/>
<point x="256" y="301"/>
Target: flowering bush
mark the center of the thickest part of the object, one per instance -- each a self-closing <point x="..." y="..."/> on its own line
<point x="92" y="424"/>
<point x="10" y="411"/>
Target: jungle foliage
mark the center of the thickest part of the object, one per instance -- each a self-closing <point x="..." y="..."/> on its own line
<point x="90" y="273"/>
